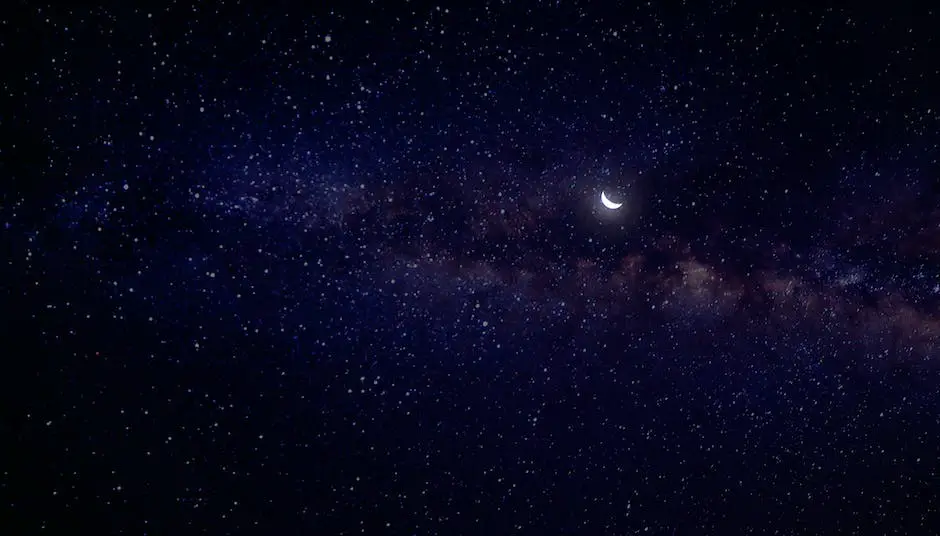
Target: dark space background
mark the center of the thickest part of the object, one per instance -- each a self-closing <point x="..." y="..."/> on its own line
<point x="343" y="268"/>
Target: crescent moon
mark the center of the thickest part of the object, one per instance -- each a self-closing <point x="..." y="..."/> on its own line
<point x="608" y="203"/>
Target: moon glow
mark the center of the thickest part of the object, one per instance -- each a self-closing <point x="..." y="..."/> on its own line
<point x="608" y="203"/>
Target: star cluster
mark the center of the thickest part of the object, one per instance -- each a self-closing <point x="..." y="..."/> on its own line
<point x="345" y="269"/>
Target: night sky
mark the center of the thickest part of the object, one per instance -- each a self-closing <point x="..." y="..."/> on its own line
<point x="345" y="269"/>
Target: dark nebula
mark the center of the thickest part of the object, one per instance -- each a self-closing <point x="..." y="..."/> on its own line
<point x="344" y="269"/>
